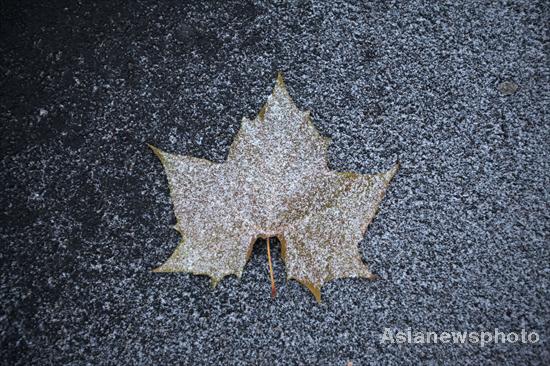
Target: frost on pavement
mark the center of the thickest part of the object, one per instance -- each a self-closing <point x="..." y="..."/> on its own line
<point x="275" y="183"/>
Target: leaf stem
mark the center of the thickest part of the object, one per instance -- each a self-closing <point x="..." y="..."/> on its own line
<point x="273" y="289"/>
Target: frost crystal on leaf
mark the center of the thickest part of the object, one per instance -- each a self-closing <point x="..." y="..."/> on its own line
<point x="275" y="183"/>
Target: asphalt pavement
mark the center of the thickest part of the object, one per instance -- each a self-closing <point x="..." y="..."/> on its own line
<point x="458" y="92"/>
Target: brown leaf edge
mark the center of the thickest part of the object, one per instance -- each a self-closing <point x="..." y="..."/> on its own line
<point x="315" y="290"/>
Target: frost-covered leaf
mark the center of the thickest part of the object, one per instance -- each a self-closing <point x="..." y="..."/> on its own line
<point x="275" y="183"/>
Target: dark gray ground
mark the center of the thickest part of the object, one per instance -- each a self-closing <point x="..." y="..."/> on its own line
<point x="461" y="240"/>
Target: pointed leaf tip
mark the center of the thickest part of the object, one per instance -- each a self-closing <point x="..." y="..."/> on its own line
<point x="280" y="79"/>
<point x="155" y="149"/>
<point x="158" y="153"/>
<point x="280" y="84"/>
<point x="315" y="290"/>
<point x="394" y="169"/>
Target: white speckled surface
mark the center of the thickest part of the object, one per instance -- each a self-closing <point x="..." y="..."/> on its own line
<point x="460" y="241"/>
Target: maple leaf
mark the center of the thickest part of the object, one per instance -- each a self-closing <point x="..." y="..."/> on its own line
<point x="275" y="183"/>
